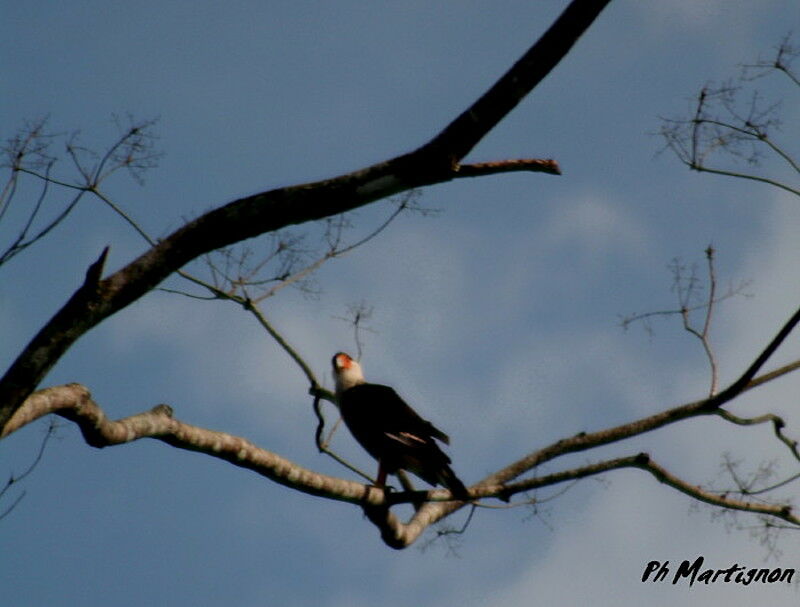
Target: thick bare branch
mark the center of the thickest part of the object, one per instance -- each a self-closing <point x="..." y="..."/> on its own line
<point x="469" y="128"/>
<point x="74" y="402"/>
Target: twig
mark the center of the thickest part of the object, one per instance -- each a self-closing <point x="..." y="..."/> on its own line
<point x="534" y="165"/>
<point x="748" y="176"/>
<point x="703" y="334"/>
<point x="15" y="480"/>
<point x="777" y="425"/>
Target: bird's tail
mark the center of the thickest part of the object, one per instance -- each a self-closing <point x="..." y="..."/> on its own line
<point x="449" y="479"/>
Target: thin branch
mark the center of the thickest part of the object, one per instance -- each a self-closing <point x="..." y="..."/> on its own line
<point x="357" y="313"/>
<point x="785" y="54"/>
<point x="125" y="216"/>
<point x="644" y="462"/>
<point x="531" y="165"/>
<point x="448" y="533"/>
<point x="747" y="176"/>
<point x="721" y="122"/>
<point x="744" y="380"/>
<point x="780" y="511"/>
<point x="20" y="244"/>
<point x="774" y="486"/>
<point x="584" y="441"/>
<point x="398" y="535"/>
<point x="626" y="321"/>
<point x="316" y="390"/>
<point x="712" y="290"/>
<point x="746" y="486"/>
<point x="779" y="372"/>
<point x="322" y="445"/>
<point x="755" y="134"/>
<point x="45" y="177"/>
<point x="704" y="334"/>
<point x="336" y="251"/>
<point x="15" y="480"/>
<point x="777" y="425"/>
<point x="262" y="320"/>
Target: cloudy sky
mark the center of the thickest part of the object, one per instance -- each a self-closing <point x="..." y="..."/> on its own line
<point x="497" y="317"/>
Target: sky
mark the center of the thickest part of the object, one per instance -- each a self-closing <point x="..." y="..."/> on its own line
<point x="497" y="317"/>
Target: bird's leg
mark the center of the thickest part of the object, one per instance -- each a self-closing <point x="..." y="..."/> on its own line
<point x="381" y="480"/>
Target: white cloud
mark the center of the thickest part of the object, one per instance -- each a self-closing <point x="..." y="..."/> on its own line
<point x="772" y="265"/>
<point x="596" y="227"/>
<point x="211" y="354"/>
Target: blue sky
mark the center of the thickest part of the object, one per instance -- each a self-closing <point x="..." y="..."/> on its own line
<point x="497" y="318"/>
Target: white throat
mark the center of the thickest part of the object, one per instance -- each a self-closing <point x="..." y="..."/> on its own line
<point x="347" y="377"/>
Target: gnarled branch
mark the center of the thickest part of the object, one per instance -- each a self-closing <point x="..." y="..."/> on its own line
<point x="74" y="402"/>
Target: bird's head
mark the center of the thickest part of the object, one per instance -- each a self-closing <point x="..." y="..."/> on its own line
<point x="346" y="372"/>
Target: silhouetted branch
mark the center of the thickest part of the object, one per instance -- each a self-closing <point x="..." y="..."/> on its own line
<point x="687" y="288"/>
<point x="723" y="123"/>
<point x="14" y="480"/>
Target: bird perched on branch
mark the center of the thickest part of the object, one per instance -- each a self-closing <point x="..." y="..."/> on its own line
<point x="391" y="431"/>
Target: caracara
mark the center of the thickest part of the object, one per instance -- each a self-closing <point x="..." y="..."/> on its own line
<point x="391" y="431"/>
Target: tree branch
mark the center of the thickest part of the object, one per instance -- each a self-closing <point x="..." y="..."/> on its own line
<point x="398" y="535"/>
<point x="461" y="135"/>
<point x="531" y="165"/>
<point x="74" y="402"/>
<point x="701" y="168"/>
<point x="435" y="162"/>
<point x="584" y="441"/>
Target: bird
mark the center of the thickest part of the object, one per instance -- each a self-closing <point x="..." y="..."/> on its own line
<point x="390" y="430"/>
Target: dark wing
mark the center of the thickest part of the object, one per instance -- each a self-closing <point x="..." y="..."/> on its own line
<point x="381" y="409"/>
<point x="393" y="433"/>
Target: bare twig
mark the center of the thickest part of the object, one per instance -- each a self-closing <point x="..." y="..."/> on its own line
<point x="357" y="313"/>
<point x="785" y="54"/>
<point x="687" y="286"/>
<point x="703" y="334"/>
<point x="28" y="154"/>
<point x="777" y="425"/>
<point x="15" y="480"/>
<point x="722" y="122"/>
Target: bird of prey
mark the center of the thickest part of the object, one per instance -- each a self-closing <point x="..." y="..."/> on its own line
<point x="391" y="431"/>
